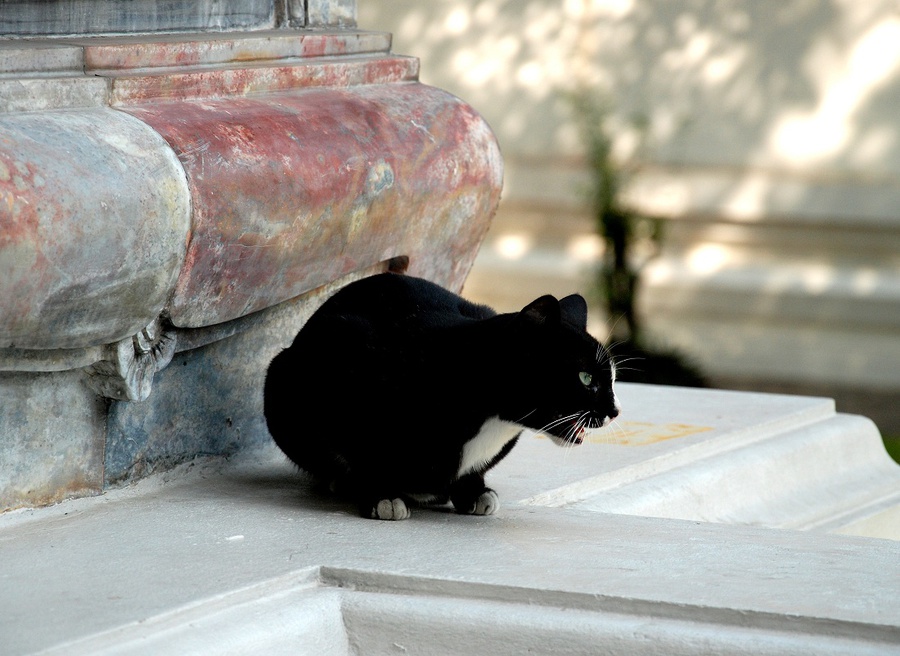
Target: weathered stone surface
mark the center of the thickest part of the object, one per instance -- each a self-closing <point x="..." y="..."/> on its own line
<point x="26" y="18"/>
<point x="209" y="399"/>
<point x="38" y="93"/>
<point x="294" y="190"/>
<point x="14" y="359"/>
<point x="42" y="74"/>
<point x="331" y="13"/>
<point x="23" y="57"/>
<point x="410" y="164"/>
<point x="52" y="435"/>
<point x="95" y="216"/>
<point x="64" y="17"/>
<point x="135" y="53"/>
<point x="234" y="180"/>
<point x="213" y="83"/>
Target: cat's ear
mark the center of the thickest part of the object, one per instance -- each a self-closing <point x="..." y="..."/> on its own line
<point x="543" y="311"/>
<point x="574" y="310"/>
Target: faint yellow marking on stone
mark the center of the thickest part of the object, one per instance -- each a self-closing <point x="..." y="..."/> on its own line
<point x="641" y="433"/>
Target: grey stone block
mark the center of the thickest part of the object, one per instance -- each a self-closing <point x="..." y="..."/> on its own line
<point x="331" y="13"/>
<point x="53" y="430"/>
<point x="22" y="57"/>
<point x="208" y="401"/>
<point x="72" y="17"/>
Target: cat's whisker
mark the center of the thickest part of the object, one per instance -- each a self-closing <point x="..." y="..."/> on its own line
<point x="609" y="430"/>
<point x="558" y="421"/>
<point x="584" y="424"/>
<point x="602" y="354"/>
<point x="571" y="435"/>
<point x="617" y="428"/>
<point x="580" y="425"/>
<point x="568" y="437"/>
<point x="619" y="364"/>
<point x="612" y="328"/>
<point x="606" y="434"/>
<point x="611" y="435"/>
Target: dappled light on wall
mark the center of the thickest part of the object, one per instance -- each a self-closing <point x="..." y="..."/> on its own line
<point x="846" y="83"/>
<point x="734" y="91"/>
<point x="708" y="258"/>
<point x="771" y="157"/>
<point x="513" y="246"/>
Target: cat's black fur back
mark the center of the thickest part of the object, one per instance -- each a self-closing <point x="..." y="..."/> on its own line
<point x="397" y="390"/>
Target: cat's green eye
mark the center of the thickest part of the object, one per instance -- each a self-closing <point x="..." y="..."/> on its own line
<point x="585" y="378"/>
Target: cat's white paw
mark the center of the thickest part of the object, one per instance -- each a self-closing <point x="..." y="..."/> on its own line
<point x="392" y="509"/>
<point x="487" y="504"/>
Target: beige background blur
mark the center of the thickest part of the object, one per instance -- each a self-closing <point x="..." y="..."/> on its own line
<point x="773" y="155"/>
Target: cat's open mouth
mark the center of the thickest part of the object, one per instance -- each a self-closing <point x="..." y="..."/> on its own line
<point x="573" y="437"/>
<point x="570" y="433"/>
<point x="574" y="432"/>
<point x="577" y="437"/>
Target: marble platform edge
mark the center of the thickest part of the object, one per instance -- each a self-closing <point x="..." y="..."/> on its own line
<point x="830" y="474"/>
<point x="341" y="609"/>
<point x="292" y="549"/>
<point x="327" y="610"/>
<point x="820" y="409"/>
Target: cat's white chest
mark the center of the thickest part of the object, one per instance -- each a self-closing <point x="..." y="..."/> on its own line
<point x="482" y="448"/>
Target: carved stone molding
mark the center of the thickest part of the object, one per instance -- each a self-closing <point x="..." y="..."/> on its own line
<point x="127" y="369"/>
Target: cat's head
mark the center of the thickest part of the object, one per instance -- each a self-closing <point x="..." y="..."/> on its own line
<point x="568" y="375"/>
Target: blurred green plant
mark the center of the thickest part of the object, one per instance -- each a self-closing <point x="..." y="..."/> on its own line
<point x="619" y="225"/>
<point x="892" y="446"/>
<point x="632" y="239"/>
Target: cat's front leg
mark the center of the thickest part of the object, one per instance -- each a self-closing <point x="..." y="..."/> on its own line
<point x="470" y="496"/>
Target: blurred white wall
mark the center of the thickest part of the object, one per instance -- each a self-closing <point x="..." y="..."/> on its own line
<point x="774" y="157"/>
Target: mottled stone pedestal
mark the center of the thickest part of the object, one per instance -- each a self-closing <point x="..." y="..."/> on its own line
<point x="172" y="208"/>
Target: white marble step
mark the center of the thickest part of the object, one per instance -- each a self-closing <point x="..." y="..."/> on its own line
<point x="718" y="456"/>
<point x="243" y="560"/>
<point x="236" y="558"/>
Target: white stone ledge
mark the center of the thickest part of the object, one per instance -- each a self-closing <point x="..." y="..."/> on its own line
<point x="717" y="456"/>
<point x="164" y="569"/>
<point x="243" y="558"/>
<point x="324" y="611"/>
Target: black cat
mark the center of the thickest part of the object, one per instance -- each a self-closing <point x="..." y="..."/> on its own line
<point x="399" y="391"/>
